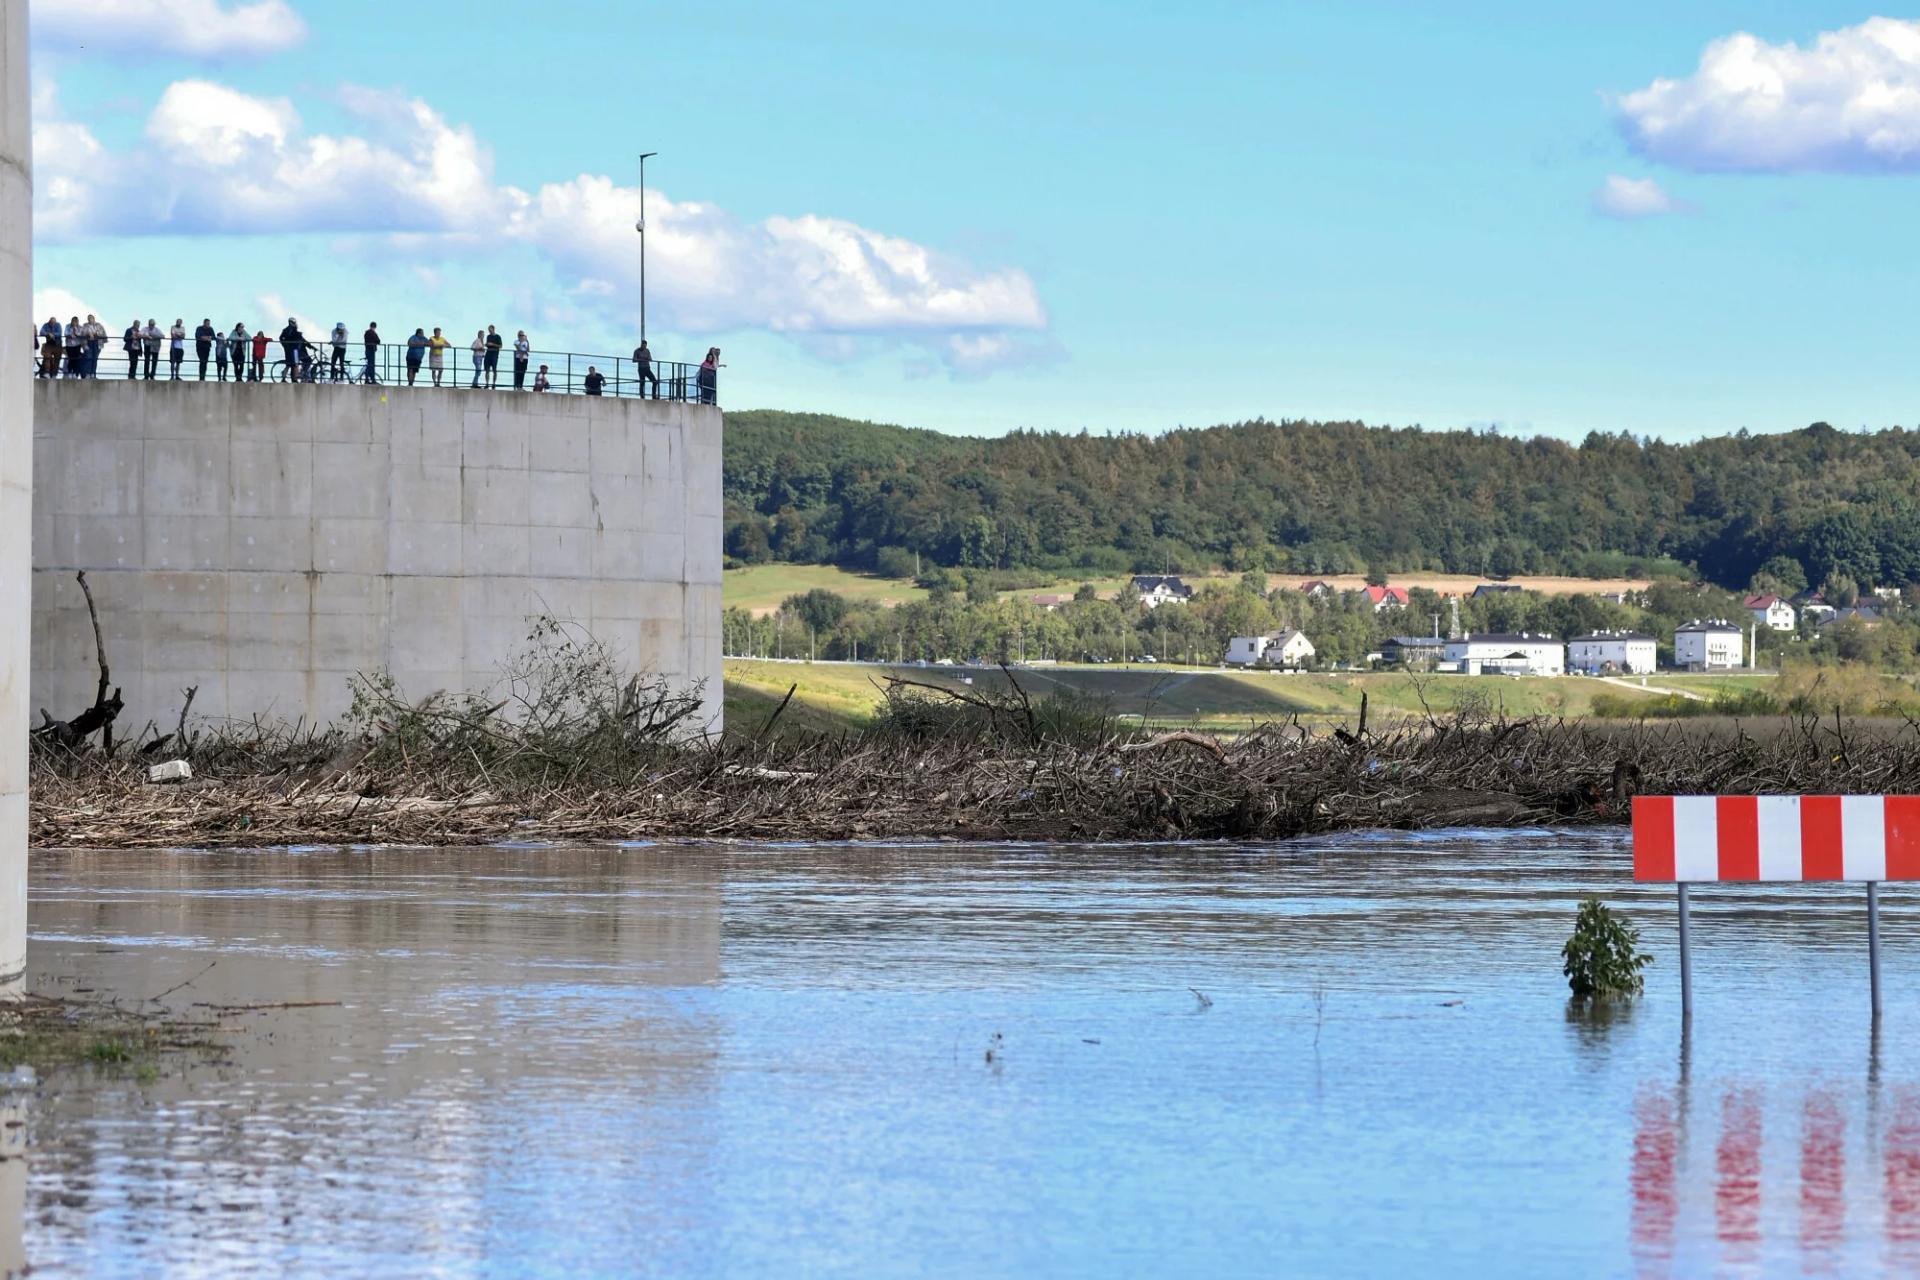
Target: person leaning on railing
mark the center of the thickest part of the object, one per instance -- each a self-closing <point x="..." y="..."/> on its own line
<point x="416" y="352"/>
<point x="521" y="350"/>
<point x="710" y="377"/>
<point x="219" y="355"/>
<point x="237" y="348"/>
<point x="260" y="341"/>
<point x="150" y="339"/>
<point x="203" y="344"/>
<point x="96" y="339"/>
<point x="50" y="348"/>
<point x="371" y="341"/>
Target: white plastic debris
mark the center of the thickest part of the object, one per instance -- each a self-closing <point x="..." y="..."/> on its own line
<point x="171" y="771"/>
<point x="21" y="1077"/>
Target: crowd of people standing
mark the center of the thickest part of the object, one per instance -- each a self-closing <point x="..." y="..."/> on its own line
<point x="73" y="350"/>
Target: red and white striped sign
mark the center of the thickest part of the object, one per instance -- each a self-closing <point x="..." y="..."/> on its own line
<point x="1776" y="838"/>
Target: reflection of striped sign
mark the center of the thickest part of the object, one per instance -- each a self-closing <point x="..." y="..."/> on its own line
<point x="1776" y="838"/>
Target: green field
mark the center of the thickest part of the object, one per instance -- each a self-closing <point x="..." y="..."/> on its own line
<point x="834" y="694"/>
<point x="760" y="588"/>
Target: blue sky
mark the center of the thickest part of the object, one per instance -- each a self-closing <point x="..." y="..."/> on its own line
<point x="1112" y="216"/>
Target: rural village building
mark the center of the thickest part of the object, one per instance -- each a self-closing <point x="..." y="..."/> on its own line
<point x="1156" y="591"/>
<point x="1275" y="649"/>
<point x="1814" y="607"/>
<point x="1612" y="652"/>
<point x="1712" y="645"/>
<point x="1864" y="614"/>
<point x="1506" y="654"/>
<point x="1770" y="610"/>
<point x="1316" y="589"/>
<point x="1386" y="597"/>
<point x="1415" y="652"/>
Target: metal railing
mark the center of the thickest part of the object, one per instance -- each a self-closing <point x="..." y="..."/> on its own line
<point x="565" y="372"/>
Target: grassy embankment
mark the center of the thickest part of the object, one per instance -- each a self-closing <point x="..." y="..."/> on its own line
<point x="832" y="695"/>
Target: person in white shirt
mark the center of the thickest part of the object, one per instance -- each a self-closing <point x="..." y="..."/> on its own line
<point x="339" y="337"/>
<point x="479" y="355"/>
<point x="521" y="350"/>
<point x="96" y="339"/>
<point x="177" y="348"/>
<point x="74" y="339"/>
<point x="153" y="337"/>
<point x="237" y="348"/>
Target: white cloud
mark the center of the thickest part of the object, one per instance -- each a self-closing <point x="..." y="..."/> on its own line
<point x="805" y="275"/>
<point x="215" y="161"/>
<point x="189" y="28"/>
<point x="1848" y="103"/>
<point x="55" y="301"/>
<point x="1620" y="197"/>
<point x="277" y="313"/>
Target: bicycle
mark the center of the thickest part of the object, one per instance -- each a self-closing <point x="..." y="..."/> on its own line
<point x="312" y="369"/>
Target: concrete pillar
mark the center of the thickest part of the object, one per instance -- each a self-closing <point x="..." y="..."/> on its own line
<point x="16" y="482"/>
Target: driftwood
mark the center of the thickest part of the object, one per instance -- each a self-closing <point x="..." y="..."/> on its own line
<point x="71" y="735"/>
<point x="1275" y="781"/>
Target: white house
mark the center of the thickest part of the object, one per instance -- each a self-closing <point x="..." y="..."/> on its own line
<point x="1383" y="598"/>
<point x="1275" y="649"/>
<point x="1156" y="591"/>
<point x="1814" y="607"/>
<point x="1612" y="652"/>
<point x="1712" y="645"/>
<point x="1501" y="653"/>
<point x="1770" y="610"/>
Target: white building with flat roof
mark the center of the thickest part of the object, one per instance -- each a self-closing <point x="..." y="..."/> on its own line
<point x="1612" y="653"/>
<point x="1508" y="654"/>
<point x="1711" y="645"/>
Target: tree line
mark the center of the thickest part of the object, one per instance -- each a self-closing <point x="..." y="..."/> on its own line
<point x="1799" y="507"/>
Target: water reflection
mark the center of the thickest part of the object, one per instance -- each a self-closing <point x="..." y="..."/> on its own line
<point x="773" y="1061"/>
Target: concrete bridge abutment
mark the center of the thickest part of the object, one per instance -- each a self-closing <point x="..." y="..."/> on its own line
<point x="265" y="543"/>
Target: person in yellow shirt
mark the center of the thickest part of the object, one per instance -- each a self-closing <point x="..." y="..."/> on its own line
<point x="436" y="354"/>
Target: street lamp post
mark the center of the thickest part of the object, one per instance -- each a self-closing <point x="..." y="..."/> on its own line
<point x="641" y="227"/>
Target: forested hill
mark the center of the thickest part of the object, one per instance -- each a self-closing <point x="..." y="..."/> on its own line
<point x="1322" y="497"/>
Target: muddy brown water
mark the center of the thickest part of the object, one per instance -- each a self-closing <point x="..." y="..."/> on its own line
<point x="1349" y="1056"/>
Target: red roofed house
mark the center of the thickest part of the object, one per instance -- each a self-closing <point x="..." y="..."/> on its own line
<point x="1770" y="610"/>
<point x="1317" y="589"/>
<point x="1386" y="598"/>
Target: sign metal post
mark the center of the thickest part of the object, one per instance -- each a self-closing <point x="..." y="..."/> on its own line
<point x="1873" y="942"/>
<point x="1686" y="961"/>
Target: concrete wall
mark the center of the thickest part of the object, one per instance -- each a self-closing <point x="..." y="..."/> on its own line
<point x="16" y="478"/>
<point x="265" y="542"/>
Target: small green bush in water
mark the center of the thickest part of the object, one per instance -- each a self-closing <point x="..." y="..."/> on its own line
<point x="1603" y="960"/>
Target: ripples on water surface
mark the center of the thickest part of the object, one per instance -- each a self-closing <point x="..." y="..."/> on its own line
<point x="775" y="1061"/>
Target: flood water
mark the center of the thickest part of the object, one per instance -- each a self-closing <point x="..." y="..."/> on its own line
<point x="1349" y="1056"/>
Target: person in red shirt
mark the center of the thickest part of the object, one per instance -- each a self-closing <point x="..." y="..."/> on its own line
<point x="260" y="353"/>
